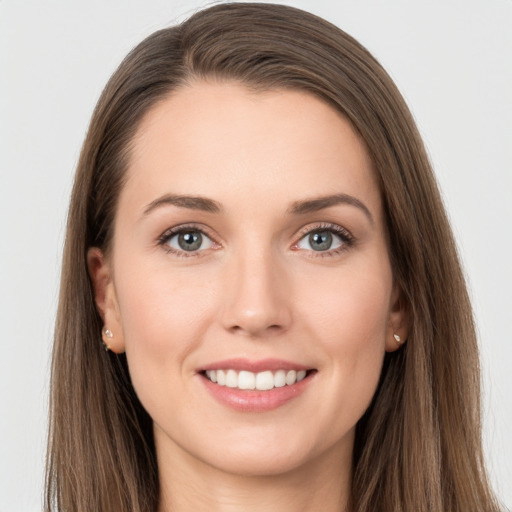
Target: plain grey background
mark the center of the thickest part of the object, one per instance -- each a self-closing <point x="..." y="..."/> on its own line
<point x="452" y="61"/>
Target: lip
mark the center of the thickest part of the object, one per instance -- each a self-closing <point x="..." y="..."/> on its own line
<point x="254" y="400"/>
<point x="262" y="365"/>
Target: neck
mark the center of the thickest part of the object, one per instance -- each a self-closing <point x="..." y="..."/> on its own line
<point x="188" y="484"/>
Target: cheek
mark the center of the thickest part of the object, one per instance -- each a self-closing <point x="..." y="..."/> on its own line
<point x="348" y="322"/>
<point x="164" y="318"/>
<point x="160" y="309"/>
<point x="351" y="309"/>
<point x="351" y="331"/>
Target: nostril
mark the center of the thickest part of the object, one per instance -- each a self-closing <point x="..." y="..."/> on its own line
<point x="256" y="329"/>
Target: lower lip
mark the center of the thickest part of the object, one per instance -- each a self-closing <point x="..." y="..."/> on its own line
<point x="254" y="400"/>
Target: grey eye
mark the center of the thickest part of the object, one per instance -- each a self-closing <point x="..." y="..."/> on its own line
<point x="318" y="241"/>
<point x="190" y="241"/>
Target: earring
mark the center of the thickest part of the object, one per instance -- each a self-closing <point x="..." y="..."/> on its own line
<point x="397" y="338"/>
<point x="108" y="334"/>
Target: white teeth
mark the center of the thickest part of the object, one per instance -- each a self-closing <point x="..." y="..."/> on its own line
<point x="231" y="379"/>
<point x="246" y="380"/>
<point x="261" y="381"/>
<point x="221" y="377"/>
<point x="264" y="381"/>
<point x="291" y="377"/>
<point x="280" y="379"/>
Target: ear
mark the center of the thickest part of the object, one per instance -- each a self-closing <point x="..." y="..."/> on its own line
<point x="398" y="321"/>
<point x="100" y="273"/>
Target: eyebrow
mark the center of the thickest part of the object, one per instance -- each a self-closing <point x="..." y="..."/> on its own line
<point x="191" y="202"/>
<point x="297" y="207"/>
<point x="319" y="203"/>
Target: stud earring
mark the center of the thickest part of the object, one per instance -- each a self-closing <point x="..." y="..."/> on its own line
<point x="108" y="334"/>
<point x="397" y="338"/>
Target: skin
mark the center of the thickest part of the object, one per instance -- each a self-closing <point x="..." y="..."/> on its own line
<point x="258" y="290"/>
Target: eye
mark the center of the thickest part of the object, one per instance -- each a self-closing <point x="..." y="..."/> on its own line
<point x="186" y="240"/>
<point x="320" y="241"/>
<point x="326" y="239"/>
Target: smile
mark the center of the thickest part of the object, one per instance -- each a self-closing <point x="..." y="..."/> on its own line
<point x="261" y="381"/>
<point x="256" y="386"/>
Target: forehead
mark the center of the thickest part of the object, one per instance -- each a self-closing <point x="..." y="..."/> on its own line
<point x="226" y="141"/>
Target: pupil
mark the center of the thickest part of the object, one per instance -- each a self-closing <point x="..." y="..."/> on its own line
<point x="190" y="241"/>
<point x="320" y="241"/>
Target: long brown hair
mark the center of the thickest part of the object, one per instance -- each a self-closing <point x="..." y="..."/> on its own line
<point x="418" y="446"/>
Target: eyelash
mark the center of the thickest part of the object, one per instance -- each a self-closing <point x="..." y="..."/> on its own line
<point x="164" y="238"/>
<point x="346" y="237"/>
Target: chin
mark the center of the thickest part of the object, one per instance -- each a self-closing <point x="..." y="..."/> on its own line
<point x="273" y="455"/>
<point x="271" y="464"/>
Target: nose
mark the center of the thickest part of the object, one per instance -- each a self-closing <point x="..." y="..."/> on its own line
<point x="257" y="296"/>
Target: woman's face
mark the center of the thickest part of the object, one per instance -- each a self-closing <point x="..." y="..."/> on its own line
<point x="250" y="249"/>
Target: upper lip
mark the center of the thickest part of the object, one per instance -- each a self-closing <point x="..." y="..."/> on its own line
<point x="254" y="366"/>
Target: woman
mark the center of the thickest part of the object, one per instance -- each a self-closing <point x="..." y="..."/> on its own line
<point x="256" y="236"/>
